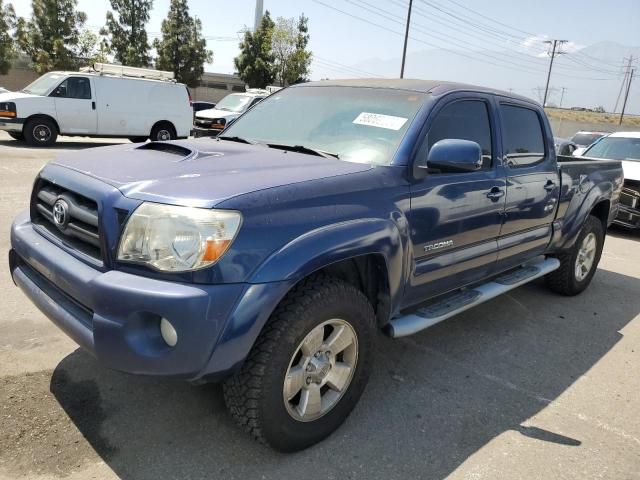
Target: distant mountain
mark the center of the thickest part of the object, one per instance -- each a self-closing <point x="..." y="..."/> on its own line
<point x="592" y="75"/>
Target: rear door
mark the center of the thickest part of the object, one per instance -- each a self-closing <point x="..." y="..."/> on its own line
<point x="455" y="218"/>
<point x="532" y="183"/>
<point x="76" y="106"/>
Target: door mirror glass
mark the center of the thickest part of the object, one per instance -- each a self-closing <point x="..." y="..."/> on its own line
<point x="454" y="155"/>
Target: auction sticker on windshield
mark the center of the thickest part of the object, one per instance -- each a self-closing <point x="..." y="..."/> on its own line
<point x="379" y="120"/>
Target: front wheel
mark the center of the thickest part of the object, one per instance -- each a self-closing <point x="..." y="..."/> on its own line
<point x="578" y="266"/>
<point x="40" y="132"/>
<point x="308" y="367"/>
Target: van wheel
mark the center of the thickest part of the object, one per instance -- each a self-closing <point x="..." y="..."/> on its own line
<point x="16" y="136"/>
<point x="578" y="266"/>
<point x="40" y="132"/>
<point x="162" y="132"/>
<point x="138" y="139"/>
<point x="308" y="367"/>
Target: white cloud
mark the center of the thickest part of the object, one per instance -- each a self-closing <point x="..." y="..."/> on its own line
<point x="535" y="45"/>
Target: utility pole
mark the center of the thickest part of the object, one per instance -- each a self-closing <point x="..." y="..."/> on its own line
<point x="555" y="50"/>
<point x="258" y="17"/>
<point x="624" y="80"/>
<point x="406" y="39"/>
<point x="626" y="95"/>
<point x="562" y="96"/>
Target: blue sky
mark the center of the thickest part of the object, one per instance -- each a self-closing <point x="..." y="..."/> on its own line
<point x="339" y="38"/>
<point x="346" y="46"/>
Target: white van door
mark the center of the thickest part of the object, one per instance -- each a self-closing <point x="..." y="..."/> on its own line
<point x="76" y="106"/>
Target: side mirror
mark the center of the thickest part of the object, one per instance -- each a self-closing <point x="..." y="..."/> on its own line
<point x="454" y="155"/>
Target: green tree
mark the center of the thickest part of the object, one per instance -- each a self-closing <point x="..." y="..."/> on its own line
<point x="183" y="49"/>
<point x="52" y="35"/>
<point x="127" y="36"/>
<point x="90" y="49"/>
<point x="255" y="62"/>
<point x="289" y="43"/>
<point x="7" y="45"/>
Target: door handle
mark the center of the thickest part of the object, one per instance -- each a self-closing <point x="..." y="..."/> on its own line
<point x="93" y="105"/>
<point x="549" y="186"/>
<point x="495" y="193"/>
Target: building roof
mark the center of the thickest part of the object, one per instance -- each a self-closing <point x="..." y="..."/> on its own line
<point x="434" y="87"/>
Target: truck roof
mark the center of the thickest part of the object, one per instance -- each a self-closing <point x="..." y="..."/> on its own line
<point x="434" y="87"/>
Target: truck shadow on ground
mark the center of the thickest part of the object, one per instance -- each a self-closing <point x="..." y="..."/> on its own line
<point x="433" y="400"/>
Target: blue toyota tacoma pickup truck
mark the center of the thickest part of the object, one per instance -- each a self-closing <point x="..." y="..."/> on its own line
<point x="270" y="258"/>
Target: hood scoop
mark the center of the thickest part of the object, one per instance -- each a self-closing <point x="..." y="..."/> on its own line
<point x="171" y="148"/>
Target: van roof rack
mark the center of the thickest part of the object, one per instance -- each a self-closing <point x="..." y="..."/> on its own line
<point x="133" y="72"/>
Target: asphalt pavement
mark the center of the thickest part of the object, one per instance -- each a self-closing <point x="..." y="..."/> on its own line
<point x="531" y="385"/>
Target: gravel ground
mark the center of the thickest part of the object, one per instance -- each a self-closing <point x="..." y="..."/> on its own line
<point x="530" y="385"/>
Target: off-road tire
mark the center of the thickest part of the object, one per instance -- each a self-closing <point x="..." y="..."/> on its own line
<point x="563" y="280"/>
<point x="254" y="395"/>
<point x="33" y="126"/>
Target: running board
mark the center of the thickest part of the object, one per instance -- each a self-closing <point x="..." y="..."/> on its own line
<point x="465" y="299"/>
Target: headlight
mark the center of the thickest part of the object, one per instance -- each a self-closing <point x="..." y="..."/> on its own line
<point x="177" y="239"/>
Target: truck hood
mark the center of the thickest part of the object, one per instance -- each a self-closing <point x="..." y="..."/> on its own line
<point x="10" y="96"/>
<point x="631" y="170"/>
<point x="200" y="173"/>
<point x="214" y="113"/>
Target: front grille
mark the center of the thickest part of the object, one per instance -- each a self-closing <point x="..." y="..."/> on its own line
<point x="630" y="195"/>
<point x="75" y="223"/>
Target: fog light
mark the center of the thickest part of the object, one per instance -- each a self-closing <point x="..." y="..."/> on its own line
<point x="169" y="334"/>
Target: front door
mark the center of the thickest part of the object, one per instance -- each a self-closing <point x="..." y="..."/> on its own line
<point x="76" y="106"/>
<point x="455" y="218"/>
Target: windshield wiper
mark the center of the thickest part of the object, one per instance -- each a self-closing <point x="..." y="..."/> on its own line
<point x="303" y="149"/>
<point x="237" y="139"/>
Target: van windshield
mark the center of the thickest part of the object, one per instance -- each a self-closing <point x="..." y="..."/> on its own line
<point x="233" y="103"/>
<point x="364" y="125"/>
<point x="42" y="85"/>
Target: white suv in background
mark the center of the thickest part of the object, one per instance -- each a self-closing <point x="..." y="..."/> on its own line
<point x="211" y="122"/>
<point x="107" y="101"/>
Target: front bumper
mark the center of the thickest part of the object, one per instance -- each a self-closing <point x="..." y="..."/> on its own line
<point x="11" y="124"/>
<point x="115" y="315"/>
<point x="198" y="132"/>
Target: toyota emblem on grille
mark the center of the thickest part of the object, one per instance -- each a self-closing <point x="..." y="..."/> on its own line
<point x="60" y="213"/>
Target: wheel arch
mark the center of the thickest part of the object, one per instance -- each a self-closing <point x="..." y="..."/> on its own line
<point x="41" y="115"/>
<point x="161" y="122"/>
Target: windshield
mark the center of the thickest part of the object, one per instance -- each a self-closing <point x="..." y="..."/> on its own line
<point x="42" y="85"/>
<point x="234" y="103"/>
<point x="362" y="125"/>
<point x="586" y="139"/>
<point x="616" y="148"/>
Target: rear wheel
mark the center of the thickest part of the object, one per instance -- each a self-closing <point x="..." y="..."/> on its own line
<point x="308" y="367"/>
<point x="16" y="135"/>
<point x="40" y="132"/>
<point x="578" y="266"/>
<point x="163" y="132"/>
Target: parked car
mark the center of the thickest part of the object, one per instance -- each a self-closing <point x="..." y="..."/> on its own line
<point x="110" y="101"/>
<point x="271" y="257"/>
<point x="624" y="146"/>
<point x="564" y="146"/>
<point x="198" y="106"/>
<point x="583" y="139"/>
<point x="210" y="123"/>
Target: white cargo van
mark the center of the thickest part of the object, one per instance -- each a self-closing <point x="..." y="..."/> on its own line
<point x="104" y="101"/>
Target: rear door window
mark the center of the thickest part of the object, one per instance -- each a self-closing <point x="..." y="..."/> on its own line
<point x="522" y="136"/>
